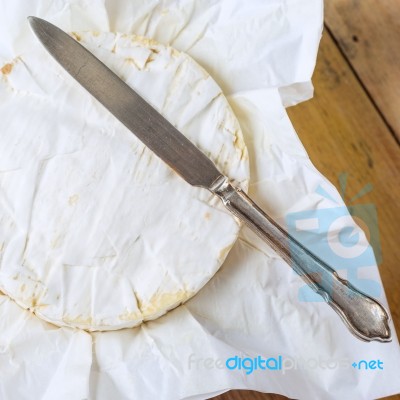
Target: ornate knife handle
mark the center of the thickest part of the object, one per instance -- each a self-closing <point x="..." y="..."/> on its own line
<point x="365" y="317"/>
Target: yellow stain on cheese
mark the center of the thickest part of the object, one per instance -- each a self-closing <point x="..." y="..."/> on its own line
<point x="78" y="320"/>
<point x="149" y="60"/>
<point x="207" y="216"/>
<point x="164" y="301"/>
<point x="144" y="40"/>
<point x="132" y="61"/>
<point x="130" y="316"/>
<point x="223" y="253"/>
<point x="73" y="200"/>
<point x="174" y="53"/>
<point x="157" y="305"/>
<point x="76" y="36"/>
<point x="6" y="69"/>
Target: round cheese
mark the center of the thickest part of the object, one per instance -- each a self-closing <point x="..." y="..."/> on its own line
<point x="96" y="232"/>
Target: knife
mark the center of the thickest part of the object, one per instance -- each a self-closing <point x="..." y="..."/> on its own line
<point x="365" y="317"/>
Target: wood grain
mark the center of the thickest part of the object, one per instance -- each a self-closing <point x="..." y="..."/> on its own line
<point x="248" y="395"/>
<point x="343" y="132"/>
<point x="368" y="33"/>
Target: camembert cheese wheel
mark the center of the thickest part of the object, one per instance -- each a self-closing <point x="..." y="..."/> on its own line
<point x="96" y="232"/>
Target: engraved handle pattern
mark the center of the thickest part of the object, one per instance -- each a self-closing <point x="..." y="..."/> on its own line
<point x="364" y="316"/>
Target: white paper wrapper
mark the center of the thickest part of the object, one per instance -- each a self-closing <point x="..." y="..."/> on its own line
<point x="262" y="54"/>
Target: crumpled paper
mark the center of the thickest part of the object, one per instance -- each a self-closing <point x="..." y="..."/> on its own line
<point x="262" y="54"/>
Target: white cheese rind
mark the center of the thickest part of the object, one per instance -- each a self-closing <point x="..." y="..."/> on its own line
<point x="96" y="231"/>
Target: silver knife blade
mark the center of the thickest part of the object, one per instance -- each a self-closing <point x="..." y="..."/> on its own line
<point x="157" y="133"/>
<point x="365" y="317"/>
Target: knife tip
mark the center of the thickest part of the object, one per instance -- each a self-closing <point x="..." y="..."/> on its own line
<point x="32" y="20"/>
<point x="35" y="21"/>
<point x="39" y="26"/>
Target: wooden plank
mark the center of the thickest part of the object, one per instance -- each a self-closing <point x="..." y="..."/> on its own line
<point x="368" y="33"/>
<point x="342" y="131"/>
<point x="248" y="395"/>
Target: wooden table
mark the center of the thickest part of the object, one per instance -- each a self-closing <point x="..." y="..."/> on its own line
<point x="353" y="124"/>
